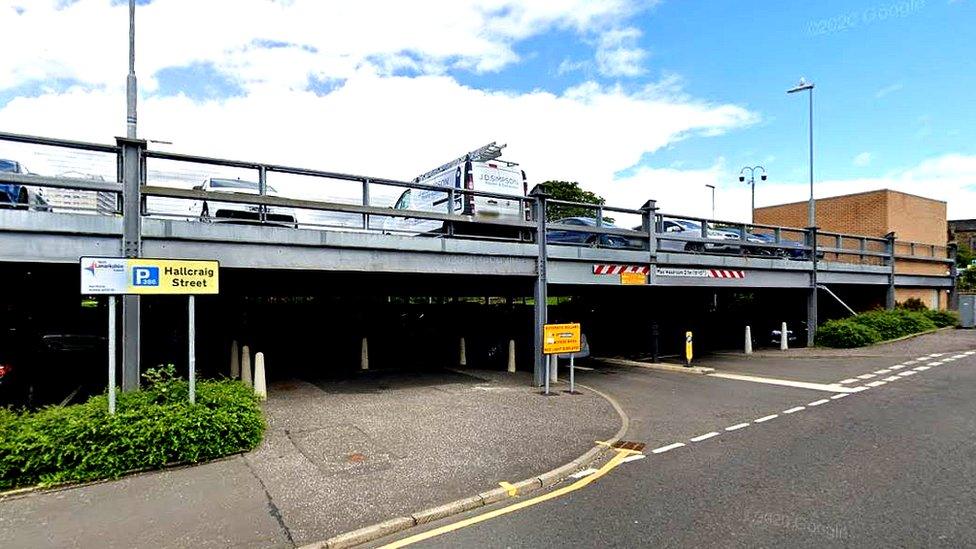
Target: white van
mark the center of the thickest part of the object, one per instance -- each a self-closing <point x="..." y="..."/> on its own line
<point x="479" y="170"/>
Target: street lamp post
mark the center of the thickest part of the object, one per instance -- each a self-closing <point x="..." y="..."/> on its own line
<point x="752" y="183"/>
<point x="712" y="187"/>
<point x="812" y="226"/>
<point x="811" y="207"/>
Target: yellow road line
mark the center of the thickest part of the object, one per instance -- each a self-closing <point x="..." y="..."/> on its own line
<point x="581" y="483"/>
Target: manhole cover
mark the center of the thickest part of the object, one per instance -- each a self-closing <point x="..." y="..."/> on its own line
<point x="359" y="458"/>
<point x="628" y="445"/>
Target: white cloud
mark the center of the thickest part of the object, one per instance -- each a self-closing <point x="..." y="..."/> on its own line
<point x="86" y="40"/>
<point x="888" y="90"/>
<point x="863" y="159"/>
<point x="617" y="53"/>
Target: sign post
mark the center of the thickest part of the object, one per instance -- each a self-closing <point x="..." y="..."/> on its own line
<point x="111" y="354"/>
<point x="114" y="276"/>
<point x="560" y="339"/>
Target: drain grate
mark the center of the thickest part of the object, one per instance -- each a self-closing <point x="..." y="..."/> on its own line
<point x="628" y="445"/>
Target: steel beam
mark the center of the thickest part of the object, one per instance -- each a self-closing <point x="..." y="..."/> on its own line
<point x="541" y="282"/>
<point x="133" y="154"/>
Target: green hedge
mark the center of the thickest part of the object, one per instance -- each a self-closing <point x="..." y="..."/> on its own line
<point x="895" y="324"/>
<point x="845" y="334"/>
<point x="942" y="319"/>
<point x="874" y="326"/>
<point x="151" y="428"/>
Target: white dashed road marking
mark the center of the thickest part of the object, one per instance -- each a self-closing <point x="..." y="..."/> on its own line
<point x="908" y="373"/>
<point x="877" y="383"/>
<point x="737" y="427"/>
<point x="865" y="376"/>
<point x="849" y="380"/>
<point x="921" y="368"/>
<point x="706" y="436"/>
<point x="774" y="416"/>
<point x="884" y="371"/>
<point x="898" y="366"/>
<point x="791" y="410"/>
<point x="663" y="449"/>
<point x="818" y="402"/>
<point x="634" y="457"/>
<point x="584" y="473"/>
<point x="892" y="378"/>
<point x="833" y="388"/>
<point x="841" y="395"/>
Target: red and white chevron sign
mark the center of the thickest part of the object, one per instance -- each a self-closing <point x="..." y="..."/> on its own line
<point x="722" y="273"/>
<point x="699" y="273"/>
<point x="615" y="269"/>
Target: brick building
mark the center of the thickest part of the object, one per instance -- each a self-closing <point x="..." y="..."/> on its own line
<point x="963" y="231"/>
<point x="876" y="213"/>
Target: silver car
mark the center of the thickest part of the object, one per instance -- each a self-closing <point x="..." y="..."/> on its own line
<point x="233" y="212"/>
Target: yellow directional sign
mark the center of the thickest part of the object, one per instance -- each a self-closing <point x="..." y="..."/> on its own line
<point x="633" y="278"/>
<point x="561" y="338"/>
<point x="112" y="275"/>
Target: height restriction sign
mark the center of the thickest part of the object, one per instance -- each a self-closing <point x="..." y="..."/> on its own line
<point x="560" y="338"/>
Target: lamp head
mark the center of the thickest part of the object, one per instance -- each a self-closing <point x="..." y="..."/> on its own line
<point x="763" y="177"/>
<point x="742" y="178"/>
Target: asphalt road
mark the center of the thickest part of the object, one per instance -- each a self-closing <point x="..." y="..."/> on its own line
<point x="892" y="465"/>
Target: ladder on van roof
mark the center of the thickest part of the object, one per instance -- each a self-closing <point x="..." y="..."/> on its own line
<point x="491" y="151"/>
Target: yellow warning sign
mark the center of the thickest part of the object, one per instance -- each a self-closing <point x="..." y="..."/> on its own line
<point x="560" y="338"/>
<point x="633" y="278"/>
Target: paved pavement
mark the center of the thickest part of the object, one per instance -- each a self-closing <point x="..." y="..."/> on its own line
<point x="337" y="456"/>
<point x="890" y="465"/>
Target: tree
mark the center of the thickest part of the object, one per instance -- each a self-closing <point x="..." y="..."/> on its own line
<point x="964" y="255"/>
<point x="570" y="191"/>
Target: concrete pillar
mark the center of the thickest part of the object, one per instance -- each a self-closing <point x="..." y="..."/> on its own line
<point x="554" y="373"/>
<point x="463" y="359"/>
<point x="364" y="356"/>
<point x="783" y="338"/>
<point x="246" y="366"/>
<point x="511" y="356"/>
<point x="235" y="360"/>
<point x="260" y="384"/>
<point x="748" y="341"/>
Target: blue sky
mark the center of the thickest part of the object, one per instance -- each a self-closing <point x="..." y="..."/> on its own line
<point x="636" y="100"/>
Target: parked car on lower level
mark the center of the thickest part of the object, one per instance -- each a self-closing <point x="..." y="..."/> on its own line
<point x="233" y="212"/>
<point x="16" y="195"/>
<point x="678" y="232"/>
<point x="584" y="237"/>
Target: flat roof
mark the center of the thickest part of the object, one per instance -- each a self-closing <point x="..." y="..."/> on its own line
<point x="876" y="191"/>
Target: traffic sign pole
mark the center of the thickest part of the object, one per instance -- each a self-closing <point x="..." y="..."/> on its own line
<point x="111" y="354"/>
<point x="192" y="347"/>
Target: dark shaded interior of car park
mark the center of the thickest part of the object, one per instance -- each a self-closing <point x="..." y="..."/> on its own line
<point x="311" y="324"/>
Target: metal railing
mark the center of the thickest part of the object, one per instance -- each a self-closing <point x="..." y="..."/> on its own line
<point x="656" y="232"/>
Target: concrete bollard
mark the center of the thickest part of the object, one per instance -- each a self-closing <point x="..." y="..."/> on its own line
<point x="246" y="366"/>
<point x="783" y="339"/>
<point x="235" y="360"/>
<point x="511" y="356"/>
<point x="364" y="356"/>
<point x="463" y="361"/>
<point x="748" y="340"/>
<point x="260" y="384"/>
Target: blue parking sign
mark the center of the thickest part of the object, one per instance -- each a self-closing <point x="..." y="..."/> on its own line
<point x="145" y="276"/>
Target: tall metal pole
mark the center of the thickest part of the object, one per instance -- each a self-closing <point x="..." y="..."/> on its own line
<point x="712" y="187"/>
<point x="130" y="81"/>
<point x="752" y="211"/>
<point x="541" y="291"/>
<point x="131" y="176"/>
<point x="813" y="205"/>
